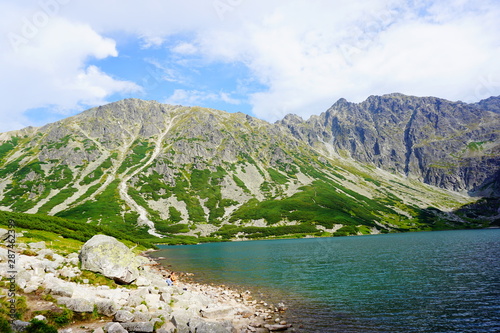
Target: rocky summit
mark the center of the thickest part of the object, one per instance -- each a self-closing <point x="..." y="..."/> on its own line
<point x="390" y="163"/>
<point x="451" y="145"/>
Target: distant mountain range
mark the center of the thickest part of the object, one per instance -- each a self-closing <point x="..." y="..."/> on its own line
<point x="390" y="163"/>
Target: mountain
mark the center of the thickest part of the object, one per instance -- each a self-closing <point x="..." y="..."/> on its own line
<point x="391" y="163"/>
<point x="451" y="145"/>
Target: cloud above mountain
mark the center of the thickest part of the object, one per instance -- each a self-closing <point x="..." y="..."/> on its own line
<point x="263" y="58"/>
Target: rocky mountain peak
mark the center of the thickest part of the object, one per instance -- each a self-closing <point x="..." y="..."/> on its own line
<point x="453" y="145"/>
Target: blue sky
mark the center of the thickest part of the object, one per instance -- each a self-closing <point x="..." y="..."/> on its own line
<point x="263" y="58"/>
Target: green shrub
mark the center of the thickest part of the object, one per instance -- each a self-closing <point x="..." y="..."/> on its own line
<point x="5" y="326"/>
<point x="58" y="318"/>
<point x="38" y="326"/>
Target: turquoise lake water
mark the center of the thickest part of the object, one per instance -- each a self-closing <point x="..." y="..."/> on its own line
<point x="445" y="281"/>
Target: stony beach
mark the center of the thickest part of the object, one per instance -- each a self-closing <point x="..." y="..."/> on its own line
<point x="141" y="302"/>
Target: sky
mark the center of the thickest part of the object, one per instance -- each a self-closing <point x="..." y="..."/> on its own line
<point x="263" y="58"/>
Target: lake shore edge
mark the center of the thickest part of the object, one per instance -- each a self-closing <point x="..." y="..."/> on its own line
<point x="263" y="316"/>
<point x="56" y="288"/>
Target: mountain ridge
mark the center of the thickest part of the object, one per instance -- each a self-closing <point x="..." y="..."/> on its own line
<point x="445" y="122"/>
<point x="173" y="170"/>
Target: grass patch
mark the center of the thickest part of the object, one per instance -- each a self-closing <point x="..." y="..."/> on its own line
<point x="228" y="232"/>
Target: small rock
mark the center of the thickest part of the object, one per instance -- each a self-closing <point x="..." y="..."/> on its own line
<point x="141" y="308"/>
<point x="281" y="307"/>
<point x="274" y="328"/>
<point x="142" y="316"/>
<point x="217" y="312"/>
<point x="37" y="246"/>
<point x="4" y="254"/>
<point x="123" y="316"/>
<point x="4" y="234"/>
<point x="142" y="327"/>
<point x="212" y="327"/>
<point x="142" y="281"/>
<point x="116" y="328"/>
<point x="168" y="327"/>
<point x="19" y="326"/>
<point x="77" y="304"/>
<point x="106" y="308"/>
<point x="40" y="317"/>
<point x="44" y="252"/>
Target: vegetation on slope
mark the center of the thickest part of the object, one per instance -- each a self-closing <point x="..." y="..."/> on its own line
<point x="66" y="228"/>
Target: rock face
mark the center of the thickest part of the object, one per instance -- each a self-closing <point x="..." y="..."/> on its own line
<point x="452" y="145"/>
<point x="105" y="255"/>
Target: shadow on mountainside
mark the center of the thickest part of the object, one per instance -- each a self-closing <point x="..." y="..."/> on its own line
<point x="485" y="212"/>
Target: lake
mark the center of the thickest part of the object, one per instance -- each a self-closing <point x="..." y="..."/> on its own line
<point x="447" y="281"/>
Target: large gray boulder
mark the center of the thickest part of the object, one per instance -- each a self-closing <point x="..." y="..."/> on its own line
<point x="106" y="255"/>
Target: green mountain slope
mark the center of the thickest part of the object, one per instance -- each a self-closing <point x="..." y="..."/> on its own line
<point x="141" y="167"/>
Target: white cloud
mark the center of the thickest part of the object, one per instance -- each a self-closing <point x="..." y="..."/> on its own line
<point x="45" y="65"/>
<point x="309" y="56"/>
<point x="185" y="48"/>
<point x="196" y="97"/>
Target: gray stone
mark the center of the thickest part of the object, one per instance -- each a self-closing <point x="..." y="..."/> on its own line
<point x="37" y="246"/>
<point x="139" y="327"/>
<point x="211" y="327"/>
<point x="4" y="254"/>
<point x="22" y="278"/>
<point x="165" y="297"/>
<point x="142" y="316"/>
<point x="115" y="328"/>
<point x="105" y="255"/>
<point x="77" y="304"/>
<point x="142" y="281"/>
<point x="134" y="300"/>
<point x="180" y="319"/>
<point x="44" y="252"/>
<point x="106" y="308"/>
<point x="274" y="328"/>
<point x="40" y="317"/>
<point x="73" y="259"/>
<point x="217" y="312"/>
<point x="19" y="325"/>
<point x="168" y="327"/>
<point x="123" y="316"/>
<point x="261" y="330"/>
<point x="56" y="289"/>
<point x="152" y="300"/>
<point x="4" y="234"/>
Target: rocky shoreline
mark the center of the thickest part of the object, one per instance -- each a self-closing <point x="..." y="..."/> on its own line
<point x="141" y="302"/>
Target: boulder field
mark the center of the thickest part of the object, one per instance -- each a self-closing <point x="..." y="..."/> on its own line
<point x="142" y="300"/>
